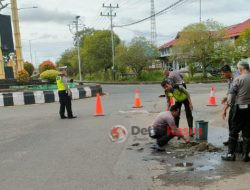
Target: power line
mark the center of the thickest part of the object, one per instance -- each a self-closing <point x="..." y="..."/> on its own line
<point x="156" y="14"/>
<point x="147" y="33"/>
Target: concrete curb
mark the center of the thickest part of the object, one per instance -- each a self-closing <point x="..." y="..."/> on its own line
<point x="150" y="82"/>
<point x="41" y="97"/>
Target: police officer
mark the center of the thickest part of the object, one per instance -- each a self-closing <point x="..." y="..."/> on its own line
<point x="227" y="74"/>
<point x="181" y="96"/>
<point x="64" y="94"/>
<point x="160" y="129"/>
<point x="175" y="77"/>
<point x="239" y="97"/>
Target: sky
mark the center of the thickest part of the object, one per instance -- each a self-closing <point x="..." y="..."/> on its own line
<point x="47" y="27"/>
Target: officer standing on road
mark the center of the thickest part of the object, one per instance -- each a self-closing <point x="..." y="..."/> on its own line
<point x="175" y="77"/>
<point x="227" y="74"/>
<point x="181" y="96"/>
<point x="64" y="94"/>
<point x="239" y="97"/>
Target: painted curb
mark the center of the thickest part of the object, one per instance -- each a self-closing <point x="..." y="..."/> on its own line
<point x="41" y="97"/>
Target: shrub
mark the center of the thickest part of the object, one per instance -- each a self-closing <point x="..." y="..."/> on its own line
<point x="49" y="75"/>
<point x="152" y="76"/>
<point x="23" y="76"/>
<point x="29" y="68"/>
<point x="46" y="65"/>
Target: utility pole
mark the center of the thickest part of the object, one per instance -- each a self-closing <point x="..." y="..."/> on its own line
<point x="15" y="20"/>
<point x="111" y="15"/>
<point x="78" y="46"/>
<point x="36" y="58"/>
<point x="153" y="24"/>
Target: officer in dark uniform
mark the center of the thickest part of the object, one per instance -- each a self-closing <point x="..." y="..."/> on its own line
<point x="239" y="97"/>
<point x="227" y="74"/>
<point x="64" y="94"/>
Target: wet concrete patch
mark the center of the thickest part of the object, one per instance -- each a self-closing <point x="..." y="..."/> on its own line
<point x="190" y="165"/>
<point x="196" y="146"/>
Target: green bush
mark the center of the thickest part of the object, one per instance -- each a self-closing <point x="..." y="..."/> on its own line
<point x="152" y="76"/>
<point x="23" y="76"/>
<point x="49" y="75"/>
<point x="46" y="65"/>
<point x="29" y="68"/>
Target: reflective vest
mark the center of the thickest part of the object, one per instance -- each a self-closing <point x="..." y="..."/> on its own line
<point x="178" y="95"/>
<point x="60" y="84"/>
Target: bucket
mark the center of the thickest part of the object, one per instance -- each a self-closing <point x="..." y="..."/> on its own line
<point x="202" y="133"/>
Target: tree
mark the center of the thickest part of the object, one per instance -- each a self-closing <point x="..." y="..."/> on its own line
<point x="69" y="59"/>
<point x="29" y="68"/>
<point x="97" y="52"/>
<point x="46" y="65"/>
<point x="121" y="66"/>
<point x="138" y="55"/>
<point x="226" y="53"/>
<point x="83" y="34"/>
<point x="22" y="76"/>
<point x="244" y="43"/>
<point x="198" y="42"/>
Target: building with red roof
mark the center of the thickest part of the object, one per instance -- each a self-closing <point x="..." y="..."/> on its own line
<point x="232" y="33"/>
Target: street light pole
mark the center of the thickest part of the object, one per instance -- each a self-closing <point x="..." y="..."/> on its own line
<point x="112" y="44"/>
<point x="31" y="59"/>
<point x="78" y="47"/>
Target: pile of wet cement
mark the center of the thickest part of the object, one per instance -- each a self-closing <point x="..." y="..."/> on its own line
<point x="197" y="146"/>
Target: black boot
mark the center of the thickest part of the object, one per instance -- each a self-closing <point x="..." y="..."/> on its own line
<point x="230" y="156"/>
<point x="246" y="147"/>
<point x="225" y="143"/>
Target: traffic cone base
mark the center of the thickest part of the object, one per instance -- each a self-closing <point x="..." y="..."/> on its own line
<point x="99" y="111"/>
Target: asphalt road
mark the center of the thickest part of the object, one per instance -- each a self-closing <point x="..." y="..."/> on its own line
<point x="38" y="151"/>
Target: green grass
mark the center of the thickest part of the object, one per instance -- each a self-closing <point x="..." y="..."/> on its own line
<point x="203" y="79"/>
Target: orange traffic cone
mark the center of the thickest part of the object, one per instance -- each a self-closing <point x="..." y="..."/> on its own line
<point x="212" y="99"/>
<point x="172" y="101"/>
<point x="137" y="101"/>
<point x="98" y="111"/>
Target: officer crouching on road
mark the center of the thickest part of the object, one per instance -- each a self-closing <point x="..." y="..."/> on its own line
<point x="64" y="94"/>
<point x="239" y="97"/>
<point x="162" y="126"/>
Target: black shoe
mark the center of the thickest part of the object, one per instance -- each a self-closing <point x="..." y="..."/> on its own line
<point x="64" y="117"/>
<point x="72" y="117"/>
<point x="228" y="157"/>
<point x="191" y="134"/>
<point x="245" y="157"/>
<point x="225" y="143"/>
<point x="158" y="148"/>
